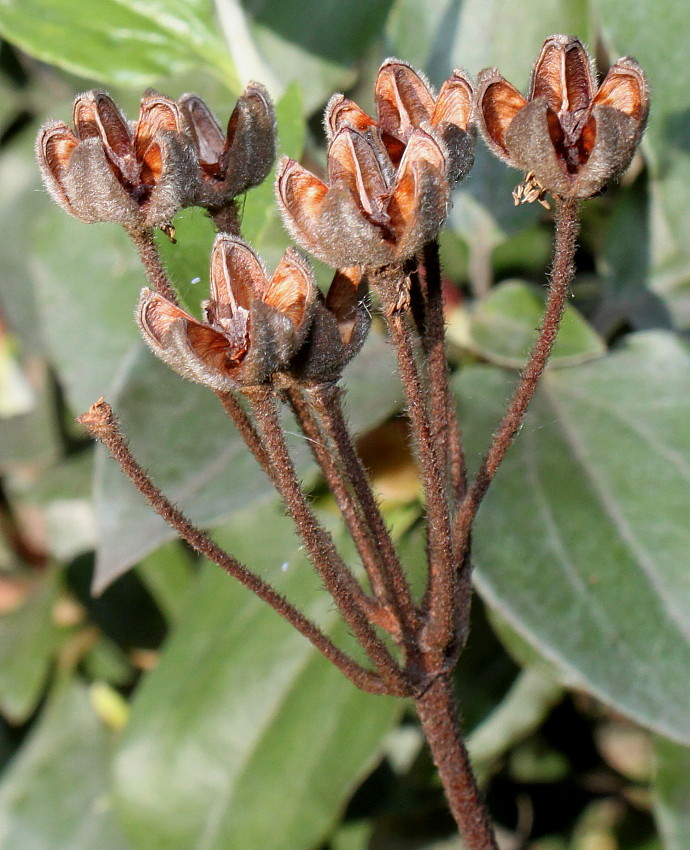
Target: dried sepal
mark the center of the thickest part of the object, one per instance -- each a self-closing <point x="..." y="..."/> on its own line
<point x="569" y="135"/>
<point x="343" y="112"/>
<point x="404" y="99"/>
<point x="406" y="102"/>
<point x="452" y="120"/>
<point x="499" y="102"/>
<point x="341" y="323"/>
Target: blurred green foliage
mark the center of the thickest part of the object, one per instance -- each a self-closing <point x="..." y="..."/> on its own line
<point x="242" y="736"/>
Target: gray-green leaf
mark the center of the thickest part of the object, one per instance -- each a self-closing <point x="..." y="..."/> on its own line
<point x="582" y="543"/>
<point x="503" y="326"/>
<point x="244" y="736"/>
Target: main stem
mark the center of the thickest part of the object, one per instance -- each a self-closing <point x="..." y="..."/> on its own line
<point x="440" y="598"/>
<point x="438" y="714"/>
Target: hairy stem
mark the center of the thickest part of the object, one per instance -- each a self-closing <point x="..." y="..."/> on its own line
<point x="563" y="269"/>
<point x="227" y="219"/>
<point x="355" y="606"/>
<point x="248" y="432"/>
<point x="360" y="531"/>
<point x="328" y="402"/>
<point x="100" y="422"/>
<point x="150" y="258"/>
<point x="442" y="408"/>
<point x="440" y="595"/>
<point x="438" y="715"/>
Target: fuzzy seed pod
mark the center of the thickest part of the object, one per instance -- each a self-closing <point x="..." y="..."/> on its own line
<point x="405" y="101"/>
<point x="105" y="170"/>
<point x="230" y="163"/>
<point x="571" y="137"/>
<point x="253" y="326"/>
<point x="365" y="216"/>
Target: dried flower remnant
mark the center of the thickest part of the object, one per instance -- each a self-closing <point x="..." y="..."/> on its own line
<point x="340" y="326"/>
<point x="571" y="136"/>
<point x="252" y="327"/>
<point x="367" y="214"/>
<point x="107" y="170"/>
<point x="230" y="163"/>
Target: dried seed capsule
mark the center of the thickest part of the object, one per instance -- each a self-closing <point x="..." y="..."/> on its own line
<point x="230" y="163"/>
<point x="107" y="171"/>
<point x="570" y="136"/>
<point x="364" y="216"/>
<point x="253" y="325"/>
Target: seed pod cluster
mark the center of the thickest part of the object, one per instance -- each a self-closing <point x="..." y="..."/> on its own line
<point x="389" y="178"/>
<point x="386" y="194"/>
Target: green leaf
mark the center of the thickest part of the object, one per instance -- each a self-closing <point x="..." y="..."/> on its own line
<point x="655" y="33"/>
<point x="54" y="794"/>
<point x="244" y="735"/>
<point x="29" y="639"/>
<point x="440" y="35"/>
<point x="63" y="496"/>
<point x="23" y="198"/>
<point x="187" y="259"/>
<point x="28" y="432"/>
<point x="582" y="542"/>
<point x="672" y="793"/>
<point x="87" y="281"/>
<point x="627" y="299"/>
<point x="312" y="43"/>
<point x="168" y="574"/>
<point x="503" y="327"/>
<point x="127" y="43"/>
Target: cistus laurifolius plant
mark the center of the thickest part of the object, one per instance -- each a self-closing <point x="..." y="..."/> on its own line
<point x="270" y="339"/>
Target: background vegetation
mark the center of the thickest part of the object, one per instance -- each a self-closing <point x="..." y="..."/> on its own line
<point x="176" y="711"/>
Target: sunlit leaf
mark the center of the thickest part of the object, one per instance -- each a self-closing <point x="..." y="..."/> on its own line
<point x="503" y="326"/>
<point x="29" y="639"/>
<point x="55" y="793"/>
<point x="582" y="542"/>
<point x="672" y="793"/>
<point x="126" y="43"/>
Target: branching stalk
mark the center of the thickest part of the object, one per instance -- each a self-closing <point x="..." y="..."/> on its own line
<point x="100" y="422"/>
<point x="354" y="605"/>
<point x="362" y="535"/>
<point x="328" y="402"/>
<point x="440" y="595"/>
